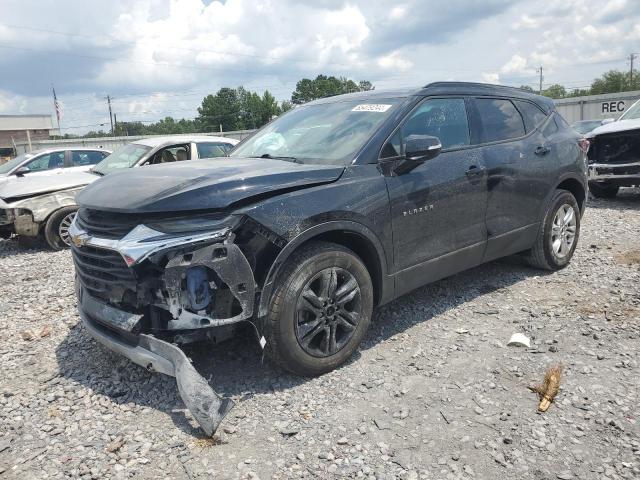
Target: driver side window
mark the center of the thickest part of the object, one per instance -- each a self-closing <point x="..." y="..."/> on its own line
<point x="445" y="118"/>
<point x="46" y="162"/>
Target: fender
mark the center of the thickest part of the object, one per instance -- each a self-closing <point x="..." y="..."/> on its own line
<point x="581" y="179"/>
<point x="386" y="282"/>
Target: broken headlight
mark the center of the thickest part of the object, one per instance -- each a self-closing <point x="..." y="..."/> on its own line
<point x="194" y="224"/>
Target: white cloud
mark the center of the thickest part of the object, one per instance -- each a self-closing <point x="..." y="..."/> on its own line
<point x="491" y="77"/>
<point x="395" y="61"/>
<point x="517" y="64"/>
<point x="398" y="12"/>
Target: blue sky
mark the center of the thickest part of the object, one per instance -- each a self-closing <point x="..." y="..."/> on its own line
<point x="160" y="57"/>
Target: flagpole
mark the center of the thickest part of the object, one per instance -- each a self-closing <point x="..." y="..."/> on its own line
<point x="56" y="106"/>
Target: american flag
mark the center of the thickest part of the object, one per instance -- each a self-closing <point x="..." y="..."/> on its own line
<point x="56" y="104"/>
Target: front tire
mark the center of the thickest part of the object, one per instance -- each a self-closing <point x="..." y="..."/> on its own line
<point x="56" y="230"/>
<point x="602" y="190"/>
<point x="558" y="235"/>
<point x="320" y="309"/>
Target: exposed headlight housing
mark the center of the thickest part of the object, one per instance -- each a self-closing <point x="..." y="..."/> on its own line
<point x="200" y="223"/>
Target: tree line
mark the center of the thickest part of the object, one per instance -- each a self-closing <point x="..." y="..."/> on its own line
<point x="613" y="81"/>
<point x="239" y="109"/>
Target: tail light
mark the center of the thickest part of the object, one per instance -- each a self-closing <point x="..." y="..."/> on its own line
<point x="584" y="144"/>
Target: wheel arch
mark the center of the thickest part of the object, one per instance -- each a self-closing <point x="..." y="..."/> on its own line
<point x="577" y="189"/>
<point x="352" y="235"/>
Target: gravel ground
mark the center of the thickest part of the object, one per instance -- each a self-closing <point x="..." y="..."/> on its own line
<point x="434" y="392"/>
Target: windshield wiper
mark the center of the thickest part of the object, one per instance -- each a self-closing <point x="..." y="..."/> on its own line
<point x="96" y="172"/>
<point x="275" y="157"/>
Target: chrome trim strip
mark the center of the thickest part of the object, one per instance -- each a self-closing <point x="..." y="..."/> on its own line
<point x="614" y="165"/>
<point x="140" y="242"/>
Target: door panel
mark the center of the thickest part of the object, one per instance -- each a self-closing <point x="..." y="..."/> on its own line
<point x="438" y="208"/>
<point x="518" y="174"/>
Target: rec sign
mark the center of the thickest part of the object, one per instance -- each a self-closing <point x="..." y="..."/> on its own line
<point x="616" y="106"/>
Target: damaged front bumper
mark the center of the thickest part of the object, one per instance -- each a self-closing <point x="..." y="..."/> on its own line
<point x="176" y="305"/>
<point x="207" y="407"/>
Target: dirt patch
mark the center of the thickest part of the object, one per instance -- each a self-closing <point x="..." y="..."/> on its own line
<point x="630" y="257"/>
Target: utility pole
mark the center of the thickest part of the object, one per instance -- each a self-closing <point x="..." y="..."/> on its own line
<point x="541" y="78"/>
<point x="631" y="59"/>
<point x="115" y="124"/>
<point x="110" y="114"/>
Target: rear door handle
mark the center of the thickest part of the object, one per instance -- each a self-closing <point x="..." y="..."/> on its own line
<point x="542" y="150"/>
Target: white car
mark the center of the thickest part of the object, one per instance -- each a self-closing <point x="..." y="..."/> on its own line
<point x="52" y="162"/>
<point x="156" y="150"/>
<point x="33" y="204"/>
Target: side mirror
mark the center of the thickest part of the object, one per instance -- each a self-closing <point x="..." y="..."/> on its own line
<point x="608" y="120"/>
<point x="419" y="148"/>
<point x="22" y="171"/>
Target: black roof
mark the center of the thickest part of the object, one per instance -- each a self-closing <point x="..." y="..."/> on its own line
<point x="448" y="88"/>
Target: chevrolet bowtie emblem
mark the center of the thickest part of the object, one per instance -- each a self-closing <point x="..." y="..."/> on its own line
<point x="79" y="240"/>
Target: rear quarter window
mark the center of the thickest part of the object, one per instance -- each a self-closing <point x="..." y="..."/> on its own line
<point x="532" y="115"/>
<point x="500" y="120"/>
<point x="212" y="150"/>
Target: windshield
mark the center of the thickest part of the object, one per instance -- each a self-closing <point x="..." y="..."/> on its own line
<point x="325" y="133"/>
<point x="632" y="113"/>
<point x="124" y="157"/>
<point x="13" y="163"/>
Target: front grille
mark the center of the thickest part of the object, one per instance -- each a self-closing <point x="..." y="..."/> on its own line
<point x="106" y="224"/>
<point x="616" y="148"/>
<point x="103" y="272"/>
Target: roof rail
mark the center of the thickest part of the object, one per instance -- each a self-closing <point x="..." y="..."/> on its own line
<point x="471" y="84"/>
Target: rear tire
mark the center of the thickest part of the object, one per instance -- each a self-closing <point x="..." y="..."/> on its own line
<point x="602" y="190"/>
<point x="312" y="333"/>
<point x="56" y="231"/>
<point x="558" y="235"/>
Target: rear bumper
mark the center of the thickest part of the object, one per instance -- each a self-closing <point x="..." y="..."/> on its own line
<point x="113" y="328"/>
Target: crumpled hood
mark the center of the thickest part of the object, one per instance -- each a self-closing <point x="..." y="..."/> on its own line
<point x="200" y="184"/>
<point x="618" y="126"/>
<point x="14" y="188"/>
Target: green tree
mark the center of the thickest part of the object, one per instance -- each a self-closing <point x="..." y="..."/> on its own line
<point x="615" y="81"/>
<point x="270" y="108"/>
<point x="555" y="91"/>
<point x="324" y="86"/>
<point x="285" y="106"/>
<point x="236" y="109"/>
<point x="527" y="88"/>
<point x="221" y="110"/>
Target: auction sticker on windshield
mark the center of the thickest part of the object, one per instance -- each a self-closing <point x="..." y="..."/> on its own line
<point x="371" y="107"/>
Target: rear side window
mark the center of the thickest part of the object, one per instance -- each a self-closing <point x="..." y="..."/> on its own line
<point x="80" y="158"/>
<point x="212" y="150"/>
<point x="500" y="120"/>
<point x="533" y="116"/>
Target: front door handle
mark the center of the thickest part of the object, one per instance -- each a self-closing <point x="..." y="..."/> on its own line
<point x="542" y="150"/>
<point x="474" y="171"/>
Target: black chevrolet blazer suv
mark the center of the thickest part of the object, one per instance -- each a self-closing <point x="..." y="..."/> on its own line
<point x="334" y="208"/>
